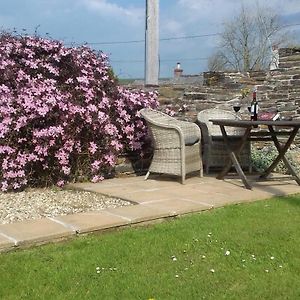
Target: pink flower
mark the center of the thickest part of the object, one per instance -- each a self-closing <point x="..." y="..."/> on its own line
<point x="110" y="129"/>
<point x="93" y="148"/>
<point x="110" y="159"/>
<point x="60" y="183"/>
<point x="4" y="186"/>
<point x="16" y="186"/>
<point x="55" y="103"/>
<point x="82" y="79"/>
<point x="66" y="170"/>
<point x="96" y="165"/>
<point x="117" y="145"/>
<point x="97" y="178"/>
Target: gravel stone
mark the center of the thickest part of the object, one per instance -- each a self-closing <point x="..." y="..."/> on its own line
<point x="51" y="202"/>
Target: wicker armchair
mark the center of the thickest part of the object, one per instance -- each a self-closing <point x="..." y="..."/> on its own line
<point x="214" y="149"/>
<point x="177" y="145"/>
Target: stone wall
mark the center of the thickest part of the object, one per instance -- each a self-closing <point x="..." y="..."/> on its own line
<point x="281" y="89"/>
<point x="219" y="90"/>
<point x="278" y="89"/>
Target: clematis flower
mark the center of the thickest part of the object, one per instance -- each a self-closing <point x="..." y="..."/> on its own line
<point x="60" y="183"/>
<point x="55" y="103"/>
<point x="93" y="148"/>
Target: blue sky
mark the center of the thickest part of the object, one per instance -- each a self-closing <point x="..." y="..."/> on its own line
<point x="99" y="21"/>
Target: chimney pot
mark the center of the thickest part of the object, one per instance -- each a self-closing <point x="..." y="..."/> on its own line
<point x="178" y="71"/>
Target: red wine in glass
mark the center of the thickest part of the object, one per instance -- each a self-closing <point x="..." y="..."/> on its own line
<point x="237" y="107"/>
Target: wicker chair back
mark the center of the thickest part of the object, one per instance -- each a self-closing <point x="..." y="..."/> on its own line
<point x="176" y="144"/>
<point x="205" y="115"/>
<point x="214" y="149"/>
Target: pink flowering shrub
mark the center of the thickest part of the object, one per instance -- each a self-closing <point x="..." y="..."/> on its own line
<point x="61" y="113"/>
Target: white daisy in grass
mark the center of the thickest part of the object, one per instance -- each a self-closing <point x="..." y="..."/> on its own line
<point x="227" y="253"/>
<point x="174" y="258"/>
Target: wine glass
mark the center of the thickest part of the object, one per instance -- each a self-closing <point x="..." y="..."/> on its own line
<point x="237" y="106"/>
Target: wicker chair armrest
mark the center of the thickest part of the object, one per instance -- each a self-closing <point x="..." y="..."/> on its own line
<point x="188" y="132"/>
<point x="166" y="136"/>
<point x="214" y="130"/>
<point x="206" y="137"/>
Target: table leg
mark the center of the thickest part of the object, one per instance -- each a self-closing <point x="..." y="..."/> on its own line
<point x="281" y="155"/>
<point x="233" y="159"/>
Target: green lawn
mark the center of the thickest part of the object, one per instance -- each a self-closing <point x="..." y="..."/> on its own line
<point x="180" y="259"/>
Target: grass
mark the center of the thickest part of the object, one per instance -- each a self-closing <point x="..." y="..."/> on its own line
<point x="172" y="260"/>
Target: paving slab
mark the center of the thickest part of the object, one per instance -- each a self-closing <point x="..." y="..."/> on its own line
<point x="93" y="221"/>
<point x="138" y="213"/>
<point x="157" y="198"/>
<point x="5" y="243"/>
<point x="177" y="206"/>
<point x="147" y="196"/>
<point x="35" y="231"/>
<point x="206" y="191"/>
<point x="123" y="186"/>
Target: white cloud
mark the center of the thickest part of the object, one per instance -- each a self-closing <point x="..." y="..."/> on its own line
<point x="171" y="27"/>
<point x="222" y="9"/>
<point x="209" y="16"/>
<point x="111" y="9"/>
<point x="289" y="7"/>
<point x="214" y="9"/>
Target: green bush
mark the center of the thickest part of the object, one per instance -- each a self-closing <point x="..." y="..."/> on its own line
<point x="261" y="159"/>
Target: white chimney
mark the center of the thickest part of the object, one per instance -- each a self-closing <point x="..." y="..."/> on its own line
<point x="178" y="71"/>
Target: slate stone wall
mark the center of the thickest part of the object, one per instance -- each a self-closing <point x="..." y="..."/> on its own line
<point x="277" y="89"/>
<point x="281" y="89"/>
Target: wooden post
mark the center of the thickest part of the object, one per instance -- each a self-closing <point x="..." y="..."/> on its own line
<point x="152" y="43"/>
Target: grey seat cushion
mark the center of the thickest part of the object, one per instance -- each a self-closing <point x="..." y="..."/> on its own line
<point x="190" y="140"/>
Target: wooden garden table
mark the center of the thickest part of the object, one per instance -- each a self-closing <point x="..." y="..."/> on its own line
<point x="269" y="131"/>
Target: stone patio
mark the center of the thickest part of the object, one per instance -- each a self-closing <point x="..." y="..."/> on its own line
<point x="157" y="198"/>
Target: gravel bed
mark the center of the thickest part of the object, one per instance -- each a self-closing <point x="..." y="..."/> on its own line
<point x="38" y="203"/>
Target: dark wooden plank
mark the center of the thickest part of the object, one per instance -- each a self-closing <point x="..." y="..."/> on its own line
<point x="282" y="151"/>
<point x="232" y="154"/>
<point x="246" y="123"/>
<point x="270" y="135"/>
